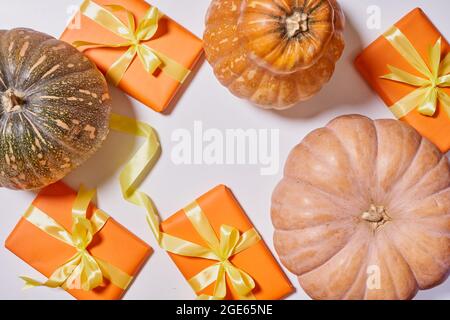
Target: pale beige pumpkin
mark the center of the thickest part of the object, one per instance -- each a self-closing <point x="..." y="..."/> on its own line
<point x="274" y="53"/>
<point x="363" y="211"/>
<point x="54" y="109"/>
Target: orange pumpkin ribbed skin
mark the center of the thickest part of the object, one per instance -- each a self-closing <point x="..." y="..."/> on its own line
<point x="363" y="211"/>
<point x="54" y="109"/>
<point x="274" y="53"/>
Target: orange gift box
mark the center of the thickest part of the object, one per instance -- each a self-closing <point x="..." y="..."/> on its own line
<point x="373" y="63"/>
<point x="155" y="90"/>
<point x="113" y="243"/>
<point x="221" y="208"/>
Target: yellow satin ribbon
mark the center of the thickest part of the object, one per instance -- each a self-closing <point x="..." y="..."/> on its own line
<point x="429" y="87"/>
<point x="231" y="242"/>
<point x="82" y="270"/>
<point x="135" y="170"/>
<point x="150" y="58"/>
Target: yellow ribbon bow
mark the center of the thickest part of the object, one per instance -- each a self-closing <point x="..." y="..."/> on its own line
<point x="221" y="250"/>
<point x="430" y="86"/>
<point x="150" y="58"/>
<point x="82" y="270"/>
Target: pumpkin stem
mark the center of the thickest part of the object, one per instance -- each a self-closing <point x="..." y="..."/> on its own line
<point x="11" y="101"/>
<point x="376" y="215"/>
<point x="296" y="23"/>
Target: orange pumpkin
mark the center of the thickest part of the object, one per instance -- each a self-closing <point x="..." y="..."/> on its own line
<point x="363" y="211"/>
<point x="274" y="53"/>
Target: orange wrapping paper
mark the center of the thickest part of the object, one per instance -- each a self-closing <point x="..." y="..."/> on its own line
<point x="113" y="243"/>
<point x="220" y="207"/>
<point x="372" y="64"/>
<point x="154" y="90"/>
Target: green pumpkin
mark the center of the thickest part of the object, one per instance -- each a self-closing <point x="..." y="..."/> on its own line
<point x="54" y="109"/>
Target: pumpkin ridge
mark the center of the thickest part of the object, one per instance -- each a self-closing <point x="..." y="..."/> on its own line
<point x="317" y="6"/>
<point x="429" y="226"/>
<point x="263" y="78"/>
<point x="431" y="217"/>
<point x="20" y="68"/>
<point x="4" y="68"/>
<point x="350" y="240"/>
<point x="30" y="167"/>
<point x="392" y="246"/>
<point x="318" y="157"/>
<point x="38" y="86"/>
<point x="276" y="90"/>
<point x="2" y="81"/>
<point x="411" y="163"/>
<point x="313" y="244"/>
<point x="400" y="252"/>
<point x="280" y="7"/>
<point x="31" y="50"/>
<point x="3" y="122"/>
<point x="349" y="157"/>
<point x="314" y="272"/>
<point x="289" y="258"/>
<point x="61" y="143"/>
<point x="310" y="185"/>
<point x="387" y="270"/>
<point x="262" y="61"/>
<point x="416" y="201"/>
<point x="399" y="180"/>
<point x="372" y="124"/>
<point x="278" y="206"/>
<point x="219" y="61"/>
<point x="423" y="249"/>
<point x="19" y="154"/>
<point x="340" y="220"/>
<point x="49" y="156"/>
<point x="424" y="177"/>
<point x="235" y="77"/>
<point x="361" y="272"/>
<point x="376" y="176"/>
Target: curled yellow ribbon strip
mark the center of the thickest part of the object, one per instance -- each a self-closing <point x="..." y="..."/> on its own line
<point x="82" y="270"/>
<point x="429" y="87"/>
<point x="136" y="168"/>
<point x="221" y="250"/>
<point x="151" y="59"/>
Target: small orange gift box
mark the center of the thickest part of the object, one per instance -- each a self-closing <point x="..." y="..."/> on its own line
<point x="145" y="53"/>
<point x="119" y="254"/>
<point x="409" y="68"/>
<point x="218" y="251"/>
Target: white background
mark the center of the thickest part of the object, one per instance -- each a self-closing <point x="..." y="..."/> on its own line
<point x="171" y="186"/>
